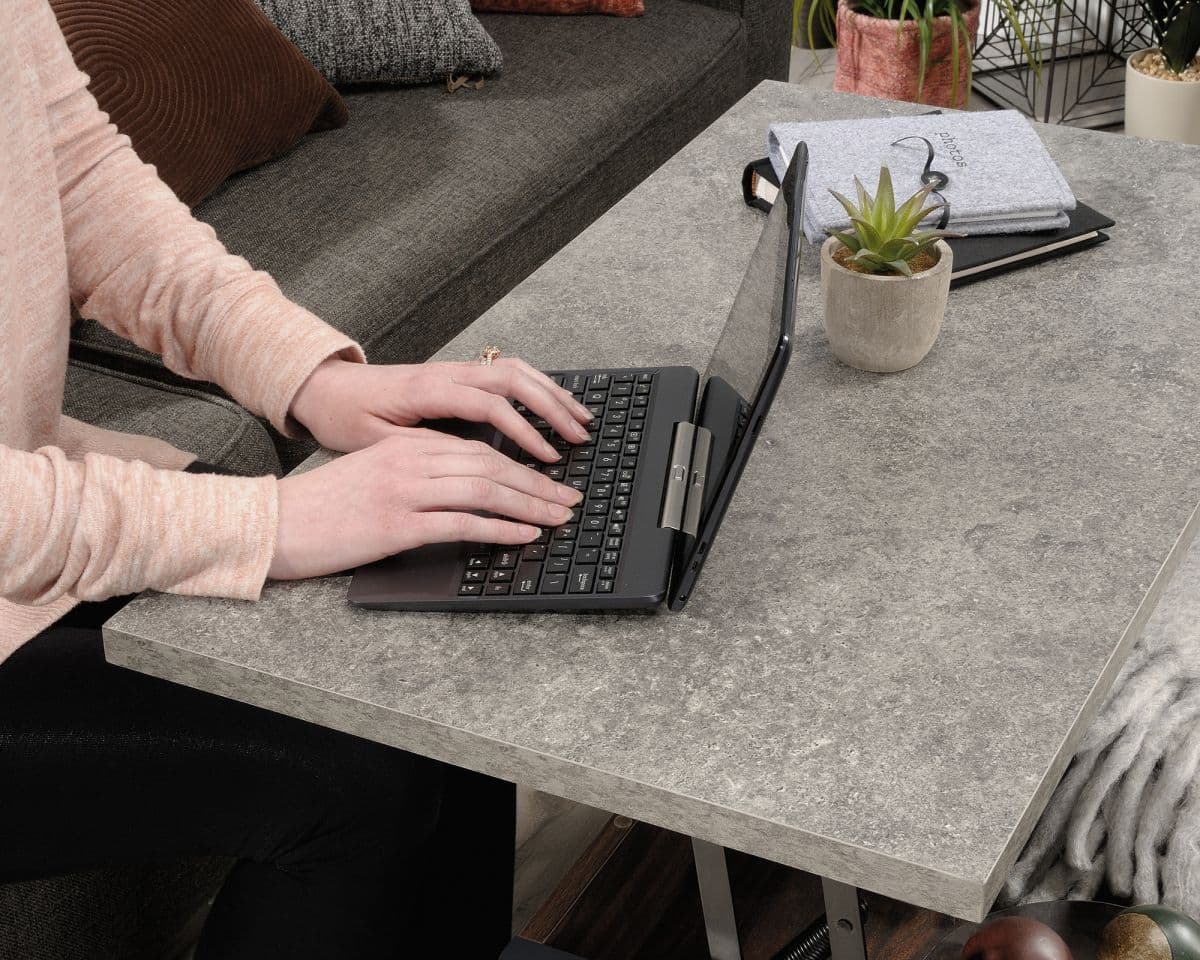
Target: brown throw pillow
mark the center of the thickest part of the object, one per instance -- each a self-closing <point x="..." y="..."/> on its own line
<point x="203" y="88"/>
<point x="615" y="8"/>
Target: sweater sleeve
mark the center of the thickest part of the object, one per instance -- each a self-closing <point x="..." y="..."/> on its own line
<point x="140" y="264"/>
<point x="103" y="527"/>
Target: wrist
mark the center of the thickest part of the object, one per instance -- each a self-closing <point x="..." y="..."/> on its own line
<point x="313" y="400"/>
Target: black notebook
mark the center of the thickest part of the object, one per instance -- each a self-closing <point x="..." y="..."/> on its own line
<point x="975" y="258"/>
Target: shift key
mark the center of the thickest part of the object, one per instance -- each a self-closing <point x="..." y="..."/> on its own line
<point x="526" y="580"/>
<point x="554" y="583"/>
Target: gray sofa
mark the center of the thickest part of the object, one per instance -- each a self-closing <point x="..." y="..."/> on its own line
<point x="400" y="229"/>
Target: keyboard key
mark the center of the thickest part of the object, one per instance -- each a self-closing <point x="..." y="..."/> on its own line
<point x="554" y="583"/>
<point x="576" y="382"/>
<point x="628" y="463"/>
<point x="502" y="576"/>
<point x="623" y="378"/>
<point x="618" y="403"/>
<point x="618" y="516"/>
<point x="612" y="543"/>
<point x="626" y="475"/>
<point x="479" y="563"/>
<point x="613" y="431"/>
<point x="558" y="564"/>
<point x="563" y="549"/>
<point x="543" y="537"/>
<point x="604" y="476"/>
<point x="581" y="470"/>
<point x="581" y="579"/>
<point x="609" y="556"/>
<point x="597" y="507"/>
<point x="555" y="472"/>
<point x="506" y="560"/>
<point x="590" y="538"/>
<point x="595" y="409"/>
<point x="634" y="435"/>
<point x="622" y="502"/>
<point x="566" y="533"/>
<point x="602" y="491"/>
<point x="632" y="449"/>
<point x="595" y="524"/>
<point x="639" y="402"/>
<point x="474" y="576"/>
<point x="645" y="377"/>
<point x="616" y="416"/>
<point x="527" y="578"/>
<point x="624" y="490"/>
<point x="579" y="483"/>
<point x="535" y="551"/>
<point x="587" y="556"/>
<point x="595" y="396"/>
<point x="610" y="446"/>
<point x="638" y="413"/>
<point x="607" y="572"/>
<point x="607" y="460"/>
<point x="498" y="589"/>
<point x="583" y="453"/>
<point x="614" y="530"/>
<point x="643" y="388"/>
<point x="604" y="586"/>
<point x="598" y="381"/>
<point x="470" y="590"/>
<point x="622" y="389"/>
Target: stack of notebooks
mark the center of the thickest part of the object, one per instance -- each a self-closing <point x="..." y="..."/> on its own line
<point x="1005" y="194"/>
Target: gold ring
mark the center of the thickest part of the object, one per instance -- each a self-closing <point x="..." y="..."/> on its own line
<point x="488" y="355"/>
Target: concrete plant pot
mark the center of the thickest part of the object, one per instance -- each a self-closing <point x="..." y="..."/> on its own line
<point x="883" y="324"/>
<point x="1160" y="109"/>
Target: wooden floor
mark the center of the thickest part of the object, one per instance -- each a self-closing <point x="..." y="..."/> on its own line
<point x="633" y="896"/>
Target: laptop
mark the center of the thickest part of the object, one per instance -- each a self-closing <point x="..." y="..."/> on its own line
<point x="658" y="471"/>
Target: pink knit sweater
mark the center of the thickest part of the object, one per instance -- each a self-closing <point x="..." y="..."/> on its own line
<point x="85" y="513"/>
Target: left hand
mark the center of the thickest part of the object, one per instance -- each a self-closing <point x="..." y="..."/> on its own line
<point x="348" y="406"/>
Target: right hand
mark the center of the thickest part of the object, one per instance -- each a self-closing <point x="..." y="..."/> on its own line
<point x="414" y="487"/>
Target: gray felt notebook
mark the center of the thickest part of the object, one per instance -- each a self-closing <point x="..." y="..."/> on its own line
<point x="1002" y="179"/>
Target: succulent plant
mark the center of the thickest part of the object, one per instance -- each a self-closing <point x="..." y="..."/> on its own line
<point x="883" y="236"/>
<point x="1176" y="28"/>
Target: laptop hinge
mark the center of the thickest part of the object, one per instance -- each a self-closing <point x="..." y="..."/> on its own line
<point x="687" y="471"/>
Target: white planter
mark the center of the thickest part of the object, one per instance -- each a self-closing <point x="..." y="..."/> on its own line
<point x="1160" y="109"/>
<point x="883" y="323"/>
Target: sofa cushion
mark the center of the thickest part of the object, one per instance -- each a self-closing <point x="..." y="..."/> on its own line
<point x="428" y="207"/>
<point x="613" y="8"/>
<point x="386" y="41"/>
<point x="217" y="430"/>
<point x="202" y="90"/>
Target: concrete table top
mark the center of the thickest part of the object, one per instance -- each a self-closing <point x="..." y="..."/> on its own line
<point x="925" y="585"/>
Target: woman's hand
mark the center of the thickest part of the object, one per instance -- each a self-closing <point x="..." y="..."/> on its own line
<point x="348" y="406"/>
<point x="412" y="488"/>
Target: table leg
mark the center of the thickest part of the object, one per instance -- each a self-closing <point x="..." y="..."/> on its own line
<point x="844" y="916"/>
<point x="716" y="899"/>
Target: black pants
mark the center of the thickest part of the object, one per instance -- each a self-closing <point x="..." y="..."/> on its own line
<point x="345" y="849"/>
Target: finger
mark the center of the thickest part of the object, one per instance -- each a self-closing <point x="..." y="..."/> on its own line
<point x="578" y="409"/>
<point x="509" y="382"/>
<point x="424" y="441"/>
<point x="455" y="399"/>
<point x="446" y="527"/>
<point x="503" y="470"/>
<point x="483" y="493"/>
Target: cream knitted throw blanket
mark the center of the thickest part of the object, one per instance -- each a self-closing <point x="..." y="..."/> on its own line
<point x="1128" y="809"/>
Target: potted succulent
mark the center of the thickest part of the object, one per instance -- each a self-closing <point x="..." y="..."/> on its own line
<point x="885" y="281"/>
<point x="917" y="50"/>
<point x="1162" y="84"/>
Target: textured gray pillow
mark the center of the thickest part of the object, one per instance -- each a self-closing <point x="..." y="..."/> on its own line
<point x="386" y="41"/>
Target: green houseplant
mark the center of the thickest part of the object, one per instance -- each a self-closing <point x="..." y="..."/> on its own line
<point x="885" y="280"/>
<point x="1162" y="84"/>
<point x="919" y="50"/>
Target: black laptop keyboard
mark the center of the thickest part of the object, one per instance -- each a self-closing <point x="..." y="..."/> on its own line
<point x="584" y="555"/>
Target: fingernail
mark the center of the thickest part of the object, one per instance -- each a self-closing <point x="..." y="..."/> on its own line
<point x="563" y="514"/>
<point x="580" y="432"/>
<point x="549" y="451"/>
<point x="531" y="532"/>
<point x="584" y="411"/>
<point x="569" y="495"/>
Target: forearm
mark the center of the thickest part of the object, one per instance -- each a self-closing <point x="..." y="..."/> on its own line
<point x="102" y="527"/>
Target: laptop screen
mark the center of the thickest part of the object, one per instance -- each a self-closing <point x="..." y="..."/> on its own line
<point x="746" y="367"/>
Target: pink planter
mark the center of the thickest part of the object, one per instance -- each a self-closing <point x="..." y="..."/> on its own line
<point x="876" y="61"/>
